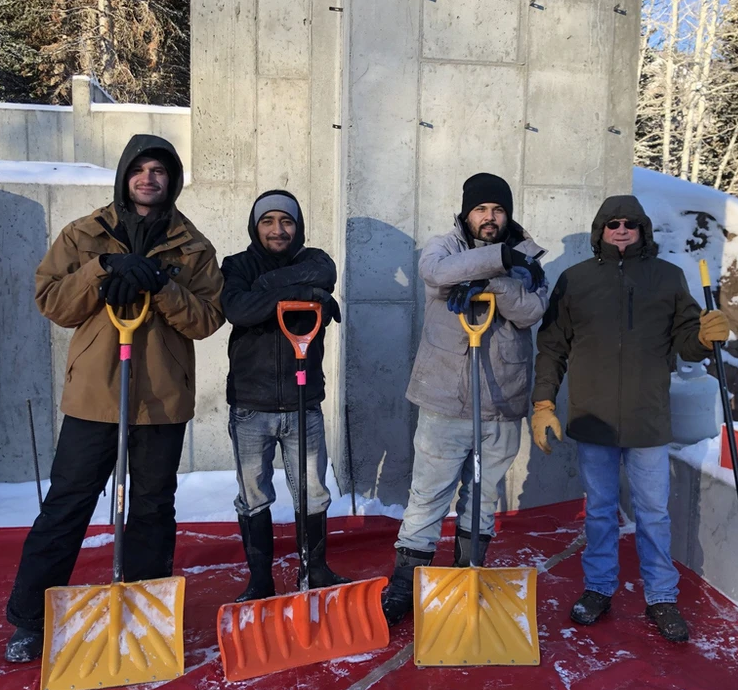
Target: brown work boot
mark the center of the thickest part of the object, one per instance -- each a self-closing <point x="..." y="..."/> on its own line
<point x="589" y="607"/>
<point x="669" y="621"/>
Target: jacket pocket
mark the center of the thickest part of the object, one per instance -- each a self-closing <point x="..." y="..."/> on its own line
<point x="180" y="358"/>
<point x="630" y="309"/>
<point x="82" y="341"/>
<point x="514" y="346"/>
<point x="445" y="337"/>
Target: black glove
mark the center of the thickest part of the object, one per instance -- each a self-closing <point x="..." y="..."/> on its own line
<point x="117" y="291"/>
<point x="459" y="298"/>
<point x="142" y="273"/>
<point x="331" y="310"/>
<point x="524" y="266"/>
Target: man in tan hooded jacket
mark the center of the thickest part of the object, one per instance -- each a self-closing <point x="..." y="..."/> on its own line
<point x="139" y="243"/>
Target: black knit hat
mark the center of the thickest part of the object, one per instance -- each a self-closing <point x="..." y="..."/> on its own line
<point x="484" y="188"/>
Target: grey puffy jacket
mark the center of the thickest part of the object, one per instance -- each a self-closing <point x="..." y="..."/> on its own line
<point x="440" y="380"/>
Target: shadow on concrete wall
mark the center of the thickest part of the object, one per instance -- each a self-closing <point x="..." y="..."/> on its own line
<point x="25" y="353"/>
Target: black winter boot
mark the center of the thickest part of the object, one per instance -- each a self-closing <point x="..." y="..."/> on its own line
<point x="24" y="645"/>
<point x="319" y="574"/>
<point x="258" y="544"/>
<point x="590" y="606"/>
<point x="397" y="600"/>
<point x="671" y="624"/>
<point x="462" y="548"/>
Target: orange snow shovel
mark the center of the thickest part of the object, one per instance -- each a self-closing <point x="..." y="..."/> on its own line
<point x="475" y="616"/>
<point x="104" y="636"/>
<point x="266" y="635"/>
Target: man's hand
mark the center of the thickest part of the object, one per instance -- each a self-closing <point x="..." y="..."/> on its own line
<point x="331" y="310"/>
<point x="117" y="291"/>
<point x="527" y="270"/>
<point x="542" y="420"/>
<point x="714" y="328"/>
<point x="144" y="274"/>
<point x="460" y="296"/>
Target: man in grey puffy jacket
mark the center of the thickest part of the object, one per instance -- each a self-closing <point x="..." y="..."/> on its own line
<point x="486" y="252"/>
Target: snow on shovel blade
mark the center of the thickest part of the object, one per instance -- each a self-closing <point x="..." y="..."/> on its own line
<point x="104" y="636"/>
<point x="475" y="617"/>
<point x="267" y="635"/>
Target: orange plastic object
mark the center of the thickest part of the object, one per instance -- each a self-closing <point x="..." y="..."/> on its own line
<point x="267" y="635"/>
<point x="299" y="342"/>
<point x="725" y="460"/>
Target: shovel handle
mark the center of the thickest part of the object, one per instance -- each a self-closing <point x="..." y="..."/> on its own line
<point x="722" y="379"/>
<point x="476" y="331"/>
<point x="300" y="343"/>
<point x="127" y="326"/>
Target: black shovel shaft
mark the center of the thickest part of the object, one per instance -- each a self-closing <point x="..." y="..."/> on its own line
<point x="477" y="451"/>
<point x="35" y="456"/>
<point x="725" y="398"/>
<point x="120" y="467"/>
<point x="302" y="470"/>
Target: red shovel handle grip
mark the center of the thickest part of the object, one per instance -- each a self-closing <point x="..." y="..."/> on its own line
<point x="300" y="343"/>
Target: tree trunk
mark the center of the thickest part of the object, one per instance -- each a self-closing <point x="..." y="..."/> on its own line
<point x="669" y="87"/>
<point x="105" y="41"/>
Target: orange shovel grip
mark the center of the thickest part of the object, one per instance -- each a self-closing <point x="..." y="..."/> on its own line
<point x="300" y="343"/>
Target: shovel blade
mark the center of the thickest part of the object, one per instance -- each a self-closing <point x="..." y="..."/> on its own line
<point x="267" y="635"/>
<point x="475" y="617"/>
<point x="103" y="636"/>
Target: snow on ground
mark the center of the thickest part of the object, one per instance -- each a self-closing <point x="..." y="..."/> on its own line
<point x="201" y="497"/>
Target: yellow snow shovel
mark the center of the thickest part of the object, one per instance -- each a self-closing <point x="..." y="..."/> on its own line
<point x="267" y="635"/>
<point x="104" y="636"/>
<point x="475" y="616"/>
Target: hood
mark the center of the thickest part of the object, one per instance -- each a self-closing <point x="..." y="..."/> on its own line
<point x="154" y="147"/>
<point x="298" y="241"/>
<point x="624" y="206"/>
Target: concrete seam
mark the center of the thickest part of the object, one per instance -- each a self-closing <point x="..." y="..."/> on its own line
<point x="609" y="108"/>
<point x="416" y="211"/>
<point x="255" y="106"/>
<point x="310" y="126"/>
<point x="28" y="142"/>
<point x="524" y="17"/>
<point x="473" y="63"/>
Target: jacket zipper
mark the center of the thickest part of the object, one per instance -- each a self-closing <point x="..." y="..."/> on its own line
<point x="277" y="334"/>
<point x="630" y="309"/>
<point x="620" y="351"/>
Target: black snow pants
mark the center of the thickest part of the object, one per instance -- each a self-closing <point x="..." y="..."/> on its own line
<point x="85" y="458"/>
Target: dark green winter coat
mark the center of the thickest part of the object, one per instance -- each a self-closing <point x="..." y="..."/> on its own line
<point x="616" y="320"/>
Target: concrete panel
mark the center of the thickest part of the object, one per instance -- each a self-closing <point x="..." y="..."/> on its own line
<point x="14" y="141"/>
<point x="223" y="104"/>
<point x="44" y="140"/>
<point x="560" y="221"/>
<point x="623" y="97"/>
<point x="283" y="43"/>
<point x="380" y="260"/>
<point x="25" y="355"/>
<point x="383" y="111"/>
<point x="66" y="132"/>
<point x="569" y="110"/>
<point x="468" y="135"/>
<point x="472" y="30"/>
<point x="118" y="128"/>
<point x="284" y="138"/>
<point x="175" y="129"/>
<point x="378" y="364"/>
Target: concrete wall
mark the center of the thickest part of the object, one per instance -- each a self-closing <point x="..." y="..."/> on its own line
<point x="374" y="117"/>
<point x="92" y="130"/>
<point x="436" y="93"/>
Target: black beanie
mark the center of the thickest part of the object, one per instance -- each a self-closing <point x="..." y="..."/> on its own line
<point x="484" y="188"/>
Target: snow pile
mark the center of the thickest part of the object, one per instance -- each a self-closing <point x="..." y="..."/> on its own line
<point x="690" y="222"/>
<point x="705" y="457"/>
<point x="201" y="497"/>
<point x="36" y="172"/>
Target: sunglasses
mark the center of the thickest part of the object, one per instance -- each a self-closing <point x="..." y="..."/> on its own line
<point x="615" y="224"/>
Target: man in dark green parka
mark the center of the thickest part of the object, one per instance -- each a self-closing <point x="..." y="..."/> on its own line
<point x="616" y="319"/>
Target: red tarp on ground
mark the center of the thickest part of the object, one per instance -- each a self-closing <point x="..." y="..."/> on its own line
<point x="623" y="651"/>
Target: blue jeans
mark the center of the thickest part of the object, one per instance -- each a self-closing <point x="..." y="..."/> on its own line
<point x="647" y="470"/>
<point x="255" y="436"/>
<point x="443" y="457"/>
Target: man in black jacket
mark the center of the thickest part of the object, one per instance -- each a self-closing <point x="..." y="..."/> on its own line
<point x="262" y="389"/>
<point x="617" y="319"/>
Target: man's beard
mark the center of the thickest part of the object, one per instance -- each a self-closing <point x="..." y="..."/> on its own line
<point x="500" y="232"/>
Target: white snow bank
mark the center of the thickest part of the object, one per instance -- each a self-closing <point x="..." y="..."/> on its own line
<point x="691" y="222"/>
<point x="705" y="457"/>
<point x="38" y="172"/>
<point x="201" y="497"/>
<point x="140" y="108"/>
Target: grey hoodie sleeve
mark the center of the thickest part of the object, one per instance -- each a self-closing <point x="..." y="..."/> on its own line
<point x="516" y="304"/>
<point x="440" y="267"/>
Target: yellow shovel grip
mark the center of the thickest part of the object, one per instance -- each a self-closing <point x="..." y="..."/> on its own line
<point x="704" y="273"/>
<point x="476" y="331"/>
<point x="127" y="326"/>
